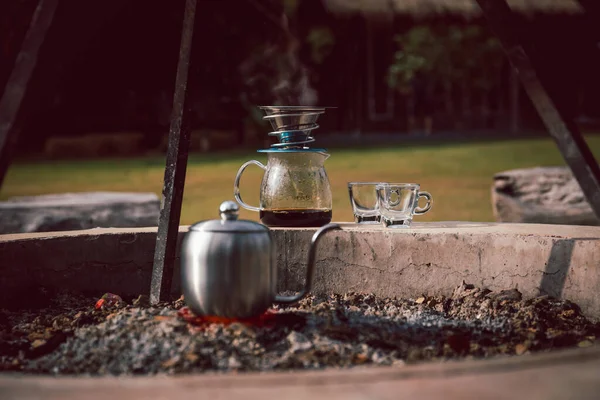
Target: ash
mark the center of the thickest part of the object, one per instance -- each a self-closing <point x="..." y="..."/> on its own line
<point x="339" y="330"/>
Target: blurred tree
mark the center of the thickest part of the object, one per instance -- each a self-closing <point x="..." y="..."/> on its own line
<point x="486" y="66"/>
<point x="419" y="52"/>
<point x="321" y="41"/>
<point x="449" y="56"/>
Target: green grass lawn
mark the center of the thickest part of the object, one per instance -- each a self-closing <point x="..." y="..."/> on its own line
<point x="458" y="175"/>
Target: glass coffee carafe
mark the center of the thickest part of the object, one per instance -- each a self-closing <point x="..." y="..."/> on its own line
<point x="295" y="189"/>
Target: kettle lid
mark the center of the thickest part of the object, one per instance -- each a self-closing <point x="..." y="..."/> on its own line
<point x="229" y="222"/>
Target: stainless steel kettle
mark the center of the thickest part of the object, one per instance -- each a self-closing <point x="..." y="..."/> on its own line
<point x="228" y="266"/>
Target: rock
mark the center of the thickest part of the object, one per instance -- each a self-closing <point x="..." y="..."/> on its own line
<point x="179" y="303"/>
<point x="585" y="343"/>
<point x="142" y="301"/>
<point x="109" y="300"/>
<point x="170" y="362"/>
<point x="520" y="349"/>
<point x="233" y="363"/>
<point x="74" y="211"/>
<point x="545" y="195"/>
<point x="298" y="342"/>
<point x="462" y="291"/>
<point x="379" y="357"/>
<point x="360" y="359"/>
<point x="509" y="294"/>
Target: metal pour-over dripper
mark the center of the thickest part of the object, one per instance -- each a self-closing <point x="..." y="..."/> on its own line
<point x="292" y="125"/>
<point x="295" y="189"/>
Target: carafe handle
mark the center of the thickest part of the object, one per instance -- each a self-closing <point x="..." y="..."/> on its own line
<point x="236" y="185"/>
<point x="310" y="267"/>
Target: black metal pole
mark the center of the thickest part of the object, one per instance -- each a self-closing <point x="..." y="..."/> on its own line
<point x="565" y="132"/>
<point x="11" y="102"/>
<point x="176" y="165"/>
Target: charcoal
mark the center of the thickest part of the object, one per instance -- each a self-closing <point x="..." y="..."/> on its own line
<point x="71" y="335"/>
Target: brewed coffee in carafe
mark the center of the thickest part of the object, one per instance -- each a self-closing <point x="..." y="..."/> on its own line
<point x="295" y="218"/>
<point x="295" y="189"/>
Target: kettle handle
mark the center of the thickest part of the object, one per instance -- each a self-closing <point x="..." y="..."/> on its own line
<point x="236" y="184"/>
<point x="310" y="267"/>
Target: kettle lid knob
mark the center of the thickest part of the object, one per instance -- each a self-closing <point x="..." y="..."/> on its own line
<point x="229" y="210"/>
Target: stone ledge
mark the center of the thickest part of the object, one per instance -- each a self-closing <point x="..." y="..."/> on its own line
<point x="433" y="258"/>
<point x="568" y="373"/>
<point x="75" y="211"/>
<point x="562" y="261"/>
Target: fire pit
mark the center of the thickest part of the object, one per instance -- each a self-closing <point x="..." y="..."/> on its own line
<point x="72" y="336"/>
<point x="438" y="292"/>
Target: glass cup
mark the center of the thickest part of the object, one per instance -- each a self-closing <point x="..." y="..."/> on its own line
<point x="363" y="197"/>
<point x="399" y="202"/>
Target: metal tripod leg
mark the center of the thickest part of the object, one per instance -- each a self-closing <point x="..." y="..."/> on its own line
<point x="11" y="103"/>
<point x="175" y="170"/>
<point x="567" y="136"/>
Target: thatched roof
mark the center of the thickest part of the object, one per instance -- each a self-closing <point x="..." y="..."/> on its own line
<point x="457" y="7"/>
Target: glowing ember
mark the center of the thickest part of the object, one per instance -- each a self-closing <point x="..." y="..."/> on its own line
<point x="108" y="300"/>
<point x="99" y="304"/>
<point x="267" y="319"/>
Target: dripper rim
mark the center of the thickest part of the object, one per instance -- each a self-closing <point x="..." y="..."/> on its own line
<point x="297" y="107"/>
<point x="292" y="150"/>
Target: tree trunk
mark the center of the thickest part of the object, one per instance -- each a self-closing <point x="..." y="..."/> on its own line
<point x="514" y="102"/>
<point x="448" y="99"/>
<point x="485" y="108"/>
<point x="466" y="103"/>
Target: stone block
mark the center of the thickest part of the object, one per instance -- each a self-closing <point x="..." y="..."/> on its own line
<point x="430" y="258"/>
<point x="75" y="211"/>
<point x="542" y="195"/>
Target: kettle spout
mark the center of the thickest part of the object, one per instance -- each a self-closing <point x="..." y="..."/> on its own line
<point x="310" y="267"/>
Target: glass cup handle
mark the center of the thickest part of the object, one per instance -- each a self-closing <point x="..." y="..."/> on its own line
<point x="427" y="207"/>
<point x="236" y="185"/>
